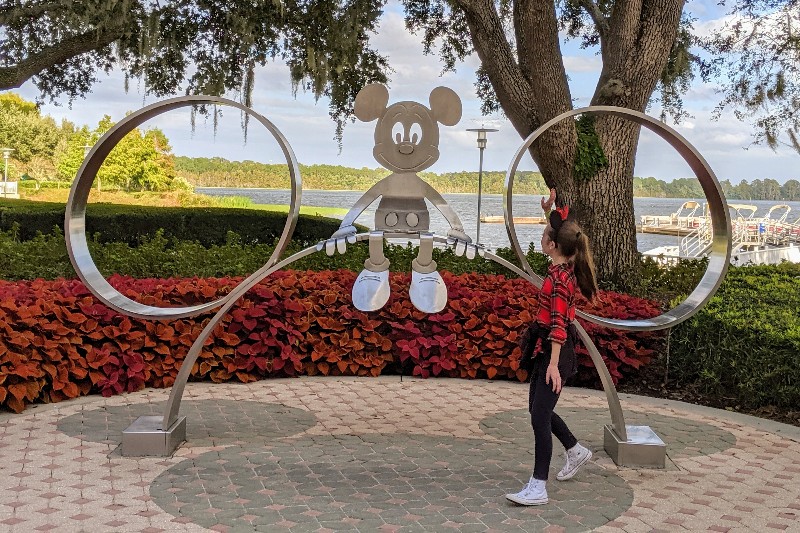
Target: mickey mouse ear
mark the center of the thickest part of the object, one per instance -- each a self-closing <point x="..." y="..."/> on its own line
<point x="446" y="106"/>
<point x="371" y="102"/>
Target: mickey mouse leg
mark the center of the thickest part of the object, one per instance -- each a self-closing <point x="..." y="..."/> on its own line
<point x="371" y="290"/>
<point x="428" y="292"/>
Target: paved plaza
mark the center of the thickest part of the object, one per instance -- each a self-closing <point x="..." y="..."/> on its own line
<point x="378" y="454"/>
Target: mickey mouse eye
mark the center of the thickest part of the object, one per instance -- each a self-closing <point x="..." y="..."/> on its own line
<point x="397" y="132"/>
<point x="416" y="133"/>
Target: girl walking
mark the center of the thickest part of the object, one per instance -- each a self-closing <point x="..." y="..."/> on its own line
<point x="572" y="269"/>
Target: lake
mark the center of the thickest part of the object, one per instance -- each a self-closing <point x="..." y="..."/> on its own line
<point x="466" y="205"/>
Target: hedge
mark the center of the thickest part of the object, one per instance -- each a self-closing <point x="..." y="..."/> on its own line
<point x="57" y="341"/>
<point x="45" y="256"/>
<point x="743" y="346"/>
<point x="133" y="224"/>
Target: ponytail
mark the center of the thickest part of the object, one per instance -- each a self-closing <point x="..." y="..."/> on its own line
<point x="584" y="267"/>
<point x="575" y="244"/>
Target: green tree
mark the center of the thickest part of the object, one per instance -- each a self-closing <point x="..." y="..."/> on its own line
<point x="791" y="190"/>
<point x="649" y="187"/>
<point x="684" y="188"/>
<point x="772" y="189"/>
<point x="31" y="135"/>
<point x="757" y="55"/>
<point x="757" y="190"/>
<point x="744" y="191"/>
<point x="727" y="188"/>
<point x="140" y="161"/>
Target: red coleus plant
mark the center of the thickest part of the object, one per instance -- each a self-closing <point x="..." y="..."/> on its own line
<point x="57" y="341"/>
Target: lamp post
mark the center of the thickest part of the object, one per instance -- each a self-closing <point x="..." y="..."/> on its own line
<point x="481" y="146"/>
<point x="6" y="153"/>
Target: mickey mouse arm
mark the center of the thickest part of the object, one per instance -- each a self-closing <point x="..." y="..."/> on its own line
<point x="456" y="228"/>
<point x="347" y="225"/>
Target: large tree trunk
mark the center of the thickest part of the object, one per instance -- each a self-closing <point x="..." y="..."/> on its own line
<point x="604" y="204"/>
<point x="635" y="46"/>
<point x="532" y="87"/>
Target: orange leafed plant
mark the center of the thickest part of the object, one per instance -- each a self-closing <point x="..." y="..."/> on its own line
<point x="58" y="342"/>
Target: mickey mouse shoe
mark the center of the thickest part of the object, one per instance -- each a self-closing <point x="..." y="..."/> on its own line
<point x="371" y="290"/>
<point x="428" y="292"/>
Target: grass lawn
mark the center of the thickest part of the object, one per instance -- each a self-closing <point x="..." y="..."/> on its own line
<point x="332" y="212"/>
<point x="175" y="199"/>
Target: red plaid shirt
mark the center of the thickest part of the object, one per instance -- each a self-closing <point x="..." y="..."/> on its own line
<point x="557" y="301"/>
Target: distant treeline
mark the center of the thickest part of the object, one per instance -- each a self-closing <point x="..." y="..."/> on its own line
<point x="767" y="189"/>
<point x="219" y="172"/>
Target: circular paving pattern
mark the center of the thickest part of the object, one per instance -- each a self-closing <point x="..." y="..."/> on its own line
<point x="271" y="476"/>
<point x="209" y="422"/>
<point x="347" y="483"/>
<point x="683" y="437"/>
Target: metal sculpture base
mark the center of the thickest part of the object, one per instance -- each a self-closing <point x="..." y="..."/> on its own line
<point x="643" y="448"/>
<point x="146" y="438"/>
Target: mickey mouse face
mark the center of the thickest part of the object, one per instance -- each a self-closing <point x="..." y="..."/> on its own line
<point x="407" y="133"/>
<point x="406" y="138"/>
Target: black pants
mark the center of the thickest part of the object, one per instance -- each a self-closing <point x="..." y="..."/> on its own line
<point x="541" y="402"/>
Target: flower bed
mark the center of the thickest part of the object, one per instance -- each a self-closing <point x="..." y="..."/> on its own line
<point x="57" y="341"/>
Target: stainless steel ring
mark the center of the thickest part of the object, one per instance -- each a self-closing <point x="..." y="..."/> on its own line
<point x="718" y="259"/>
<point x="75" y="217"/>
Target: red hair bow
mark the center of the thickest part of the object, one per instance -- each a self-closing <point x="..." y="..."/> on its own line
<point x="558" y="216"/>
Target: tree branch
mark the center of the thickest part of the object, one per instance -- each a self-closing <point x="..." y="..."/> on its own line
<point x="540" y="58"/>
<point x="641" y="35"/>
<point x="30" y="11"/>
<point x="599" y="19"/>
<point x="499" y="62"/>
<point x="13" y="77"/>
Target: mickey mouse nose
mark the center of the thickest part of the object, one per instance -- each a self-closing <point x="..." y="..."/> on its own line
<point x="406" y="148"/>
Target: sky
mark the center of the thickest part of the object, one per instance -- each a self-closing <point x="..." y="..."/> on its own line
<point x="725" y="143"/>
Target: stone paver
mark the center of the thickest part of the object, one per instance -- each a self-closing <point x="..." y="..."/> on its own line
<point x="378" y="454"/>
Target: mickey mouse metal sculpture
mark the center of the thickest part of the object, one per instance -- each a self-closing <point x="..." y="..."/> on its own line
<point x="406" y="142"/>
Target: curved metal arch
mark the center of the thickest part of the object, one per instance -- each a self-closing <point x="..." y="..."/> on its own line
<point x="175" y="395"/>
<point x="719" y="258"/>
<point x="75" y="216"/>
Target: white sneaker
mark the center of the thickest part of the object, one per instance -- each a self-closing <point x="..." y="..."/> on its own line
<point x="533" y="493"/>
<point x="576" y="457"/>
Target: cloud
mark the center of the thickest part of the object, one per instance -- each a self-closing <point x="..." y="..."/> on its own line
<point x="588" y="63"/>
<point x="413" y="69"/>
<point x="768" y="23"/>
<point x="726" y="144"/>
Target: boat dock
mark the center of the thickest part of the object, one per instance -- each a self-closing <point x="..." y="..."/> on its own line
<point x="663" y="229"/>
<point x="692" y="223"/>
<point x="662" y="226"/>
<point x="758" y="240"/>
<point x="678" y="230"/>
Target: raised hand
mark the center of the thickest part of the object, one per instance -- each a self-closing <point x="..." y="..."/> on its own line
<point x="547" y="205"/>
